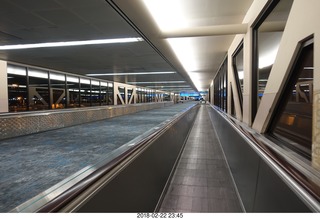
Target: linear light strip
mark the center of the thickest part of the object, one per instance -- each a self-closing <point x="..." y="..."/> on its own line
<point x="71" y="43"/>
<point x="157" y="82"/>
<point x="177" y="86"/>
<point x="132" y="73"/>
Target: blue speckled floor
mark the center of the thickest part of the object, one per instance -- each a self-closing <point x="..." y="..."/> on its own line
<point x="31" y="164"/>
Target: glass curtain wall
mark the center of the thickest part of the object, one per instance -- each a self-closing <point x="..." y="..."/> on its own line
<point x="221" y="87"/>
<point x="73" y="88"/>
<point x="237" y="63"/>
<point x="267" y="34"/>
<point x="292" y="123"/>
<point x="104" y="93"/>
<point x="37" y="89"/>
<point x="39" y="93"/>
<point x="95" y="93"/>
<point x="85" y="92"/>
<point x="57" y="91"/>
<point x="17" y="89"/>
<point x="110" y="94"/>
<point x="130" y="92"/>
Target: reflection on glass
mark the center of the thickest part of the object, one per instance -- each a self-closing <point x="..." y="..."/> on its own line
<point x="269" y="34"/>
<point x="38" y="90"/>
<point x="58" y="91"/>
<point x="293" y="122"/>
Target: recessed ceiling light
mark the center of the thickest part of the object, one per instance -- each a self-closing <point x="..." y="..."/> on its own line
<point x="71" y="43"/>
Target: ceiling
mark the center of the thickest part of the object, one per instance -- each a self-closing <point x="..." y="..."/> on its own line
<point x="39" y="21"/>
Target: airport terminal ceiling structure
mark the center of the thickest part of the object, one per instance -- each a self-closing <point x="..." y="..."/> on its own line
<point x="155" y="54"/>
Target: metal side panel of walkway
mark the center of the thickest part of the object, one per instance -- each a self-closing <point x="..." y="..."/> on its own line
<point x="202" y="181"/>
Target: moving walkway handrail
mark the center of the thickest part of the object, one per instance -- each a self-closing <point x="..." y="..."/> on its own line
<point x="75" y="190"/>
<point x="307" y="190"/>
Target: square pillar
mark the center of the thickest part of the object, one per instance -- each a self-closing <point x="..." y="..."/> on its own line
<point x="4" y="105"/>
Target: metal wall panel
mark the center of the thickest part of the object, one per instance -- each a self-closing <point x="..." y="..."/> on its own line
<point x="243" y="161"/>
<point x="260" y="188"/>
<point x="139" y="186"/>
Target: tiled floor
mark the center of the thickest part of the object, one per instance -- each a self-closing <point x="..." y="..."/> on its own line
<point x="202" y="181"/>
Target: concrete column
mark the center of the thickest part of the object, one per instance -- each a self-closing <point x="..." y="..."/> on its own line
<point x="4" y="105"/>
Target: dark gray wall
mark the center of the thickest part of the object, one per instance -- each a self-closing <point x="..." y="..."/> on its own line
<point x="139" y="186"/>
<point x="260" y="188"/>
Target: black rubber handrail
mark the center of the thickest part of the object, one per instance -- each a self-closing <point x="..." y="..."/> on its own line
<point x="62" y="200"/>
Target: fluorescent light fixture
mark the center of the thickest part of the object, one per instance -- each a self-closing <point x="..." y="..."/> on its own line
<point x="71" y="43"/>
<point x="171" y="15"/>
<point x="168" y="86"/>
<point x="157" y="82"/>
<point x="168" y="14"/>
<point x="132" y="73"/>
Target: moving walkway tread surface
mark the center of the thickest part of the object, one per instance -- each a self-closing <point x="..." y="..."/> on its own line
<point x="32" y="164"/>
<point x="202" y="181"/>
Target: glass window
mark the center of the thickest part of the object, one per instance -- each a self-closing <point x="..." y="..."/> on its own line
<point x="293" y="121"/>
<point x="85" y="92"/>
<point x="39" y="98"/>
<point x="36" y="89"/>
<point x="73" y="88"/>
<point x="122" y="94"/>
<point x="238" y="71"/>
<point x="110" y="94"/>
<point x="139" y="95"/>
<point x="58" y="91"/>
<point x="130" y="91"/>
<point x="104" y="93"/>
<point x="95" y="93"/>
<point x="233" y="111"/>
<point x="166" y="97"/>
<point x="17" y="88"/>
<point x="221" y="88"/>
<point x="267" y="32"/>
